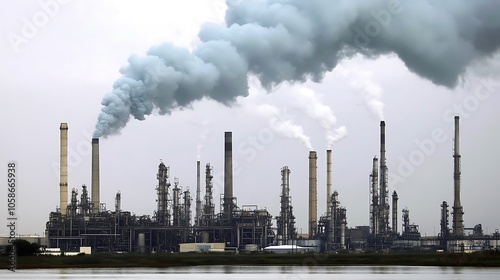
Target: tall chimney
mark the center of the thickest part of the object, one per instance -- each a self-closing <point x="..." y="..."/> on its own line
<point x="374" y="209"/>
<point x="328" y="182"/>
<point x="313" y="200"/>
<point x="384" y="192"/>
<point x="458" y="227"/>
<point x="198" y="199"/>
<point x="63" y="165"/>
<point x="228" y="174"/>
<point x="395" y="213"/>
<point x="95" y="176"/>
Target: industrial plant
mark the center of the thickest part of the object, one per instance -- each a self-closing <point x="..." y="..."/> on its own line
<point x="83" y="221"/>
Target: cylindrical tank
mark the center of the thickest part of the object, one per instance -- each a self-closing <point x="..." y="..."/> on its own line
<point x="204" y="237"/>
<point x="141" y="243"/>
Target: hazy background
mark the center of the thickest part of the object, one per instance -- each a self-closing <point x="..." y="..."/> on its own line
<point x="63" y="71"/>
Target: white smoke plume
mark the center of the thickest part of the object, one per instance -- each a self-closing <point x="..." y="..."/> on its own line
<point x="280" y="123"/>
<point x="205" y="131"/>
<point x="309" y="102"/>
<point x="297" y="40"/>
<point x="362" y="81"/>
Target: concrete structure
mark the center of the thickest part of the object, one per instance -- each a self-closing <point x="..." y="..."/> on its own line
<point x="228" y="175"/>
<point x="63" y="174"/>
<point x="313" y="195"/>
<point x="241" y="227"/>
<point x="458" y="227"/>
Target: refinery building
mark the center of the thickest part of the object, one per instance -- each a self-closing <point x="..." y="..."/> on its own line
<point x="183" y="223"/>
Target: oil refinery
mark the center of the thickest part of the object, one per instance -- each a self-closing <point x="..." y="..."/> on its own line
<point x="83" y="221"/>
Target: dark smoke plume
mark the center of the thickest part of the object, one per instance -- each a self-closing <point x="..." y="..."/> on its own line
<point x="297" y="40"/>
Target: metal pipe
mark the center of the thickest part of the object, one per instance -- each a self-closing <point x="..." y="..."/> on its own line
<point x="208" y="208"/>
<point x="395" y="213"/>
<point x="328" y="181"/>
<point x="374" y="215"/>
<point x="162" y="215"/>
<point x="118" y="202"/>
<point x="445" y="231"/>
<point x="198" y="199"/>
<point x="228" y="174"/>
<point x="313" y="199"/>
<point x="458" y="227"/>
<point x="95" y="176"/>
<point x="384" y="193"/>
<point x="342" y="236"/>
<point x="285" y="215"/>
<point x="63" y="174"/>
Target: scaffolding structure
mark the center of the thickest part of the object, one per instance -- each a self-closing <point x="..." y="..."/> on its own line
<point x="171" y="225"/>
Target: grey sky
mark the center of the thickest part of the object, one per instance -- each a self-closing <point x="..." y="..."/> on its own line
<point x="68" y="64"/>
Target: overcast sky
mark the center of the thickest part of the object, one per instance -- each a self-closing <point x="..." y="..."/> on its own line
<point x="60" y="69"/>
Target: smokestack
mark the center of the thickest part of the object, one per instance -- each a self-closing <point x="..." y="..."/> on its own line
<point x="228" y="174"/>
<point x="313" y="200"/>
<point x="374" y="215"/>
<point x="384" y="192"/>
<point x="328" y="182"/>
<point x="395" y="213"/>
<point x="198" y="199"/>
<point x="458" y="227"/>
<point x="95" y="176"/>
<point x="63" y="174"/>
<point x="118" y="202"/>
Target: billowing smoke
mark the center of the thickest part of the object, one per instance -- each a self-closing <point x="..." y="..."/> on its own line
<point x="309" y="102"/>
<point x="362" y="81"/>
<point x="297" y="40"/>
<point x="283" y="125"/>
<point x="205" y="131"/>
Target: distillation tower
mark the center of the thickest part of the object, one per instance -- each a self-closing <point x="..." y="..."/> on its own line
<point x="286" y="231"/>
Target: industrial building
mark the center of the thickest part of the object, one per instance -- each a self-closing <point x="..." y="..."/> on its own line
<point x="85" y="222"/>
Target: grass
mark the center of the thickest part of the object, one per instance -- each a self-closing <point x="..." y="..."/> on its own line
<point x="485" y="259"/>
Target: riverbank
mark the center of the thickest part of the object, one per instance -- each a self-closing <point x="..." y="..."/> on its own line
<point x="480" y="259"/>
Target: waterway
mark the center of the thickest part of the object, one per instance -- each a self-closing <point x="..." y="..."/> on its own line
<point x="262" y="273"/>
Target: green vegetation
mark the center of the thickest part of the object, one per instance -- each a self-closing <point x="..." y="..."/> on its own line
<point x="192" y="259"/>
<point x="24" y="248"/>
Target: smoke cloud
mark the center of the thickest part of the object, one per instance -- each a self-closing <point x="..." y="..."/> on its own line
<point x="295" y="41"/>
<point x="310" y="103"/>
<point x="205" y="131"/>
<point x="283" y="125"/>
<point x="362" y="81"/>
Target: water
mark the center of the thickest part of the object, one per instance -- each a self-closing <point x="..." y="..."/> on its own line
<point x="262" y="273"/>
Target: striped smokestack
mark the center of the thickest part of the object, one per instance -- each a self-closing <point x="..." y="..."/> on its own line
<point x="313" y="199"/>
<point x="95" y="176"/>
<point x="228" y="174"/>
<point x="63" y="165"/>
<point x="328" y="181"/>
